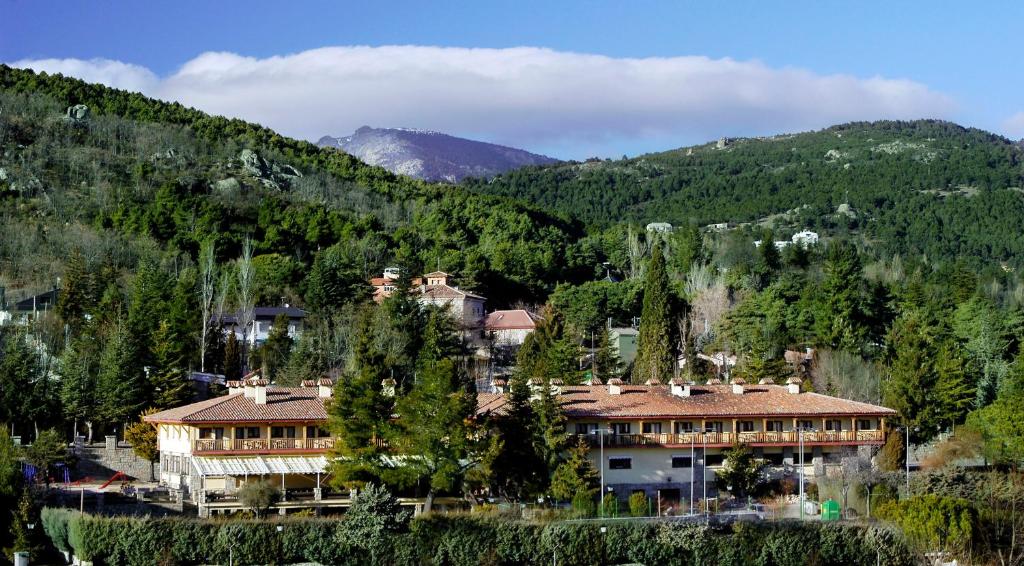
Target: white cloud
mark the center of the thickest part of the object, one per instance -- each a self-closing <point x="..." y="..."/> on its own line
<point x="1014" y="125"/>
<point x="526" y="97"/>
<point x="110" y="73"/>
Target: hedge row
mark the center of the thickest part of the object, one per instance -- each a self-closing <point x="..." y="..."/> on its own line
<point x="467" y="540"/>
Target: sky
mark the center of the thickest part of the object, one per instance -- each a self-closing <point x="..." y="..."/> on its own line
<point x="571" y="79"/>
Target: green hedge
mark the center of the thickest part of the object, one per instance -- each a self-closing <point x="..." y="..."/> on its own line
<point x="457" y="540"/>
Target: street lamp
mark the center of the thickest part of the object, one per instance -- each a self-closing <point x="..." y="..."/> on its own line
<point x="906" y="455"/>
<point x="600" y="432"/>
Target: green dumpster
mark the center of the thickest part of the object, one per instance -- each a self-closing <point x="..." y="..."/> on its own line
<point x="830" y="510"/>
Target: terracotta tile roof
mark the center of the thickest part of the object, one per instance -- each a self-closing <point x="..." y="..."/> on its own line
<point x="642" y="401"/>
<point x="511" y="320"/>
<point x="283" y="404"/>
<point x="446" y="292"/>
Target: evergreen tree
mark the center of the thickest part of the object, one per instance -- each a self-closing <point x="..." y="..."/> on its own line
<point x="168" y="379"/>
<point x="769" y="261"/>
<point x="550" y="429"/>
<point x="434" y="424"/>
<point x="576" y="475"/>
<point x="19" y="369"/>
<point x="517" y="471"/>
<point x="360" y="415"/>
<point x="278" y="346"/>
<point x="741" y="474"/>
<point x="77" y="292"/>
<point x="232" y="358"/>
<point x="120" y="384"/>
<point x="839" y="321"/>
<point x="607" y="363"/>
<point x="654" y="359"/>
<point x="78" y="368"/>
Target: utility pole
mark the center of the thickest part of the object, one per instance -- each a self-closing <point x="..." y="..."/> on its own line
<point x="693" y="466"/>
<point x="800" y="433"/>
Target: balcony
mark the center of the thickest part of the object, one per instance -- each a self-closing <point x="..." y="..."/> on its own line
<point x="261" y="445"/>
<point x="791" y="437"/>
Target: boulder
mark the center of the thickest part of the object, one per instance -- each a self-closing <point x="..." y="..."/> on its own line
<point x="78" y="112"/>
<point x="227" y="186"/>
<point x="253" y="163"/>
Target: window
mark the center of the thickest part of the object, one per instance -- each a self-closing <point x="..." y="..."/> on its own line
<point x="834" y="424"/>
<point x="684" y="427"/>
<point x="247" y="432"/>
<point x="620" y="463"/>
<point x="746" y="426"/>
<point x="217" y="433"/>
<point x="713" y="426"/>
<point x="585" y="428"/>
<point x="682" y="462"/>
<point x="774" y="426"/>
<point x="316" y="432"/>
<point x="282" y="432"/>
<point x="714" y="460"/>
<point x="805" y="425"/>
<point x="652" y="428"/>
<point x="620" y="428"/>
<point x="865" y="424"/>
<point x="774" y="458"/>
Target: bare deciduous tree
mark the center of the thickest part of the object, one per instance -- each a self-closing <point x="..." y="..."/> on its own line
<point x="207" y="290"/>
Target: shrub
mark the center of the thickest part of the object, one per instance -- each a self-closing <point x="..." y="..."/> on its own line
<point x="258" y="496"/>
<point x="55" y="525"/>
<point x="639" y="505"/>
<point x="934" y="522"/>
<point x="583" y="504"/>
<point x="610" y="505"/>
<point x="468" y="540"/>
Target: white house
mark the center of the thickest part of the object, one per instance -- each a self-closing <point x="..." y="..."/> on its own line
<point x="467" y="308"/>
<point x="263" y="323"/>
<point x="805" y="238"/>
<point x="510" y="328"/>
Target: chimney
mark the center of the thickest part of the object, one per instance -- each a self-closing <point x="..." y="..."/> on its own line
<point x="387" y="386"/>
<point x="535" y="383"/>
<point x="250" y="389"/>
<point x="595" y="381"/>
<point x="737" y="385"/>
<point x="766" y="381"/>
<point x="324" y="387"/>
<point x="259" y="391"/>
<point x="679" y="387"/>
<point x="794" y="384"/>
<point x="235" y="387"/>
<point x="499" y="386"/>
<point x="714" y="381"/>
<point x="615" y="386"/>
<point x="652" y="382"/>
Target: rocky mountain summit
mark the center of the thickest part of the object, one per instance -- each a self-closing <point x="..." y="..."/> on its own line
<point x="432" y="156"/>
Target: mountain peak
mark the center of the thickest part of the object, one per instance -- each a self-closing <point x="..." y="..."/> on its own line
<point x="430" y="155"/>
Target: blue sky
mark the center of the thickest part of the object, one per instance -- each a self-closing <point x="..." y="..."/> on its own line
<point x="610" y="78"/>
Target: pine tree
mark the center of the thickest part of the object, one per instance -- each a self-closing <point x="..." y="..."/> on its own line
<point x="434" y="425"/>
<point x="654" y="359"/>
<point x="232" y="358"/>
<point x="607" y="364"/>
<point x="77" y="292"/>
<point x="120" y="385"/>
<point x="839" y="320"/>
<point x="78" y="368"/>
<point x="275" y="351"/>
<point x="517" y="471"/>
<point x="168" y="379"/>
<point x="576" y="475"/>
<point x="359" y="414"/>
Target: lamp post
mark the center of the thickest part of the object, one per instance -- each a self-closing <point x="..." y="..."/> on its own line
<point x="800" y="444"/>
<point x="906" y="456"/>
<point x="693" y="466"/>
<point x="600" y="432"/>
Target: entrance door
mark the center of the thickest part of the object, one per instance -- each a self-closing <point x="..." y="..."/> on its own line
<point x="668" y="503"/>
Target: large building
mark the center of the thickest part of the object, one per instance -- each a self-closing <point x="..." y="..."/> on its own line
<point x="437" y="289"/>
<point x="663" y="439"/>
<point x="668" y="440"/>
<point x="211" y="448"/>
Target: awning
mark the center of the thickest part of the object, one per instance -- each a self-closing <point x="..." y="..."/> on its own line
<point x="259" y="465"/>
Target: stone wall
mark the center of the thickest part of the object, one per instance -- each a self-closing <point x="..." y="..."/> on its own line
<point x="101" y="461"/>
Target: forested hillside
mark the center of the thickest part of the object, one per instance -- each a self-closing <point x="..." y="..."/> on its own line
<point x="136" y="178"/>
<point x="923" y="187"/>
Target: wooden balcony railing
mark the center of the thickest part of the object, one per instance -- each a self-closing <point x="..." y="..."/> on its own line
<point x="251" y="445"/>
<point x="754" y="438"/>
